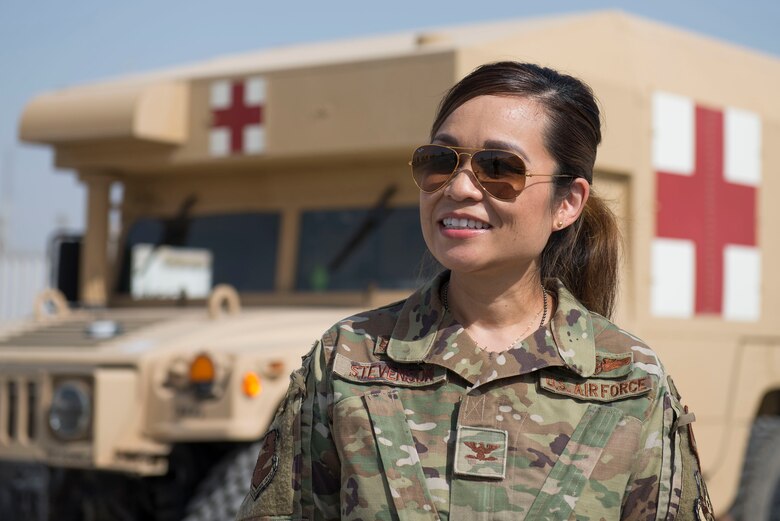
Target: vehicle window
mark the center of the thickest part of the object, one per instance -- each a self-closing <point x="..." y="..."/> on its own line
<point x="243" y="246"/>
<point x="351" y="249"/>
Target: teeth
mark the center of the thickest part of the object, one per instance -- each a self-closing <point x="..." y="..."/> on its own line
<point x="451" y="222"/>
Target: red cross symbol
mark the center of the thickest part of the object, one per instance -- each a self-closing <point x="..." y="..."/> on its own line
<point x="237" y="116"/>
<point x="707" y="210"/>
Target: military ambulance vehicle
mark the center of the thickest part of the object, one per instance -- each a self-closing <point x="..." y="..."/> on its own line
<point x="238" y="207"/>
<point x="222" y="241"/>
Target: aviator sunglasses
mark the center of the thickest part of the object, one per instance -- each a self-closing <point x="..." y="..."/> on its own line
<point x="500" y="173"/>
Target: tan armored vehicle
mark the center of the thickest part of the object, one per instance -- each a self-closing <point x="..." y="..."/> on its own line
<point x="277" y="183"/>
<point x="207" y="270"/>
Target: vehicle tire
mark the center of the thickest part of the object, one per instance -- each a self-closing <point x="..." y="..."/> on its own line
<point x="220" y="494"/>
<point x="164" y="498"/>
<point x="758" y="498"/>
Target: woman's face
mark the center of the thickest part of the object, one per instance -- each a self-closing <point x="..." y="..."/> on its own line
<point x="511" y="234"/>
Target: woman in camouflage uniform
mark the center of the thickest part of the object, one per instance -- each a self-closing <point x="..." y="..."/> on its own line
<point x="498" y="390"/>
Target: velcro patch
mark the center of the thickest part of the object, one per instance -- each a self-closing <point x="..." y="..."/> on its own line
<point x="404" y="375"/>
<point x="380" y="347"/>
<point x="481" y="452"/>
<point x="608" y="364"/>
<point x="598" y="390"/>
<point x="267" y="463"/>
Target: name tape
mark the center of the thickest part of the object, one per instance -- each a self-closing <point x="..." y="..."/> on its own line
<point x="384" y="372"/>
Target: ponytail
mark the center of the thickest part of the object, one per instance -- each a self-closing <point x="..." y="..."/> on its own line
<point x="585" y="256"/>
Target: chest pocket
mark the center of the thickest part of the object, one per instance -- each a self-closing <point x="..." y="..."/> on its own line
<point x="556" y="499"/>
<point x="381" y="468"/>
<point x="399" y="457"/>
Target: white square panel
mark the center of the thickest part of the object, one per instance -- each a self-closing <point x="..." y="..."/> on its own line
<point x="673" y="290"/>
<point x="221" y="94"/>
<point x="741" y="283"/>
<point x="742" y="149"/>
<point x="254" y="91"/>
<point x="219" y="141"/>
<point x="254" y="139"/>
<point x="673" y="133"/>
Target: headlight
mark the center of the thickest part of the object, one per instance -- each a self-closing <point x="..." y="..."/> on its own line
<point x="203" y="372"/>
<point x="71" y="410"/>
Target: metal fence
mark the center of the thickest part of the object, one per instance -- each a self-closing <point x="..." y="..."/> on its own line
<point x="22" y="277"/>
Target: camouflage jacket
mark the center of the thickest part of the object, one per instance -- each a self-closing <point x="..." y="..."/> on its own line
<point x="398" y="414"/>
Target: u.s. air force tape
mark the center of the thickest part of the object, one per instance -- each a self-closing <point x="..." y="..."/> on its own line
<point x="599" y="390"/>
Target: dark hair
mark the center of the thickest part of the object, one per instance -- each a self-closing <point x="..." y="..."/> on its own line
<point x="584" y="255"/>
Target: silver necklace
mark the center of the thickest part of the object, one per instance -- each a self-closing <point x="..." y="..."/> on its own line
<point x="445" y="291"/>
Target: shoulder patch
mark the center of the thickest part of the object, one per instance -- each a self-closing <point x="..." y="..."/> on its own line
<point x="613" y="365"/>
<point x="267" y="463"/>
<point x="598" y="390"/>
<point x="405" y="375"/>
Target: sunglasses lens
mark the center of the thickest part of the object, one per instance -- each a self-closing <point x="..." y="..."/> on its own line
<point x="432" y="166"/>
<point x="500" y="173"/>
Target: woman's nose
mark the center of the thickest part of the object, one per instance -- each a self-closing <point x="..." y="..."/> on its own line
<point x="464" y="184"/>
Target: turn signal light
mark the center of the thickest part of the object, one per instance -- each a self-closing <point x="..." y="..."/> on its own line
<point x="202" y="370"/>
<point x="251" y="384"/>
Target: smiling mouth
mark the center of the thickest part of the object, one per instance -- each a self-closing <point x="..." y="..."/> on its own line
<point x="453" y="223"/>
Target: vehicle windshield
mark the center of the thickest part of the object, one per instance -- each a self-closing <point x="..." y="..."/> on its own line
<point x="337" y="250"/>
<point x="352" y="249"/>
<point x="243" y="247"/>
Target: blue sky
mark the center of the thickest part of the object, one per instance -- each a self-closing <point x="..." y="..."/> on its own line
<point x="46" y="45"/>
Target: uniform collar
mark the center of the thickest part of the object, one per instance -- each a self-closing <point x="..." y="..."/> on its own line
<point x="426" y="333"/>
<point x="572" y="329"/>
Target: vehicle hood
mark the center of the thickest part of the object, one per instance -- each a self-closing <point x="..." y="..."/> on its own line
<point x="151" y="332"/>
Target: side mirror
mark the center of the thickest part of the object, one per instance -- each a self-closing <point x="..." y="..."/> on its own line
<point x="65" y="260"/>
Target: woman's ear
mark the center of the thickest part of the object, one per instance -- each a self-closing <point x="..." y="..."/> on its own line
<point x="571" y="206"/>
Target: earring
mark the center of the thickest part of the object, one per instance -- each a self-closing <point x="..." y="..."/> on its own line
<point x="560" y="224"/>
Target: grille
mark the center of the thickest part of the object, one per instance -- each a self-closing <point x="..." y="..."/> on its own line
<point x="19" y="403"/>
